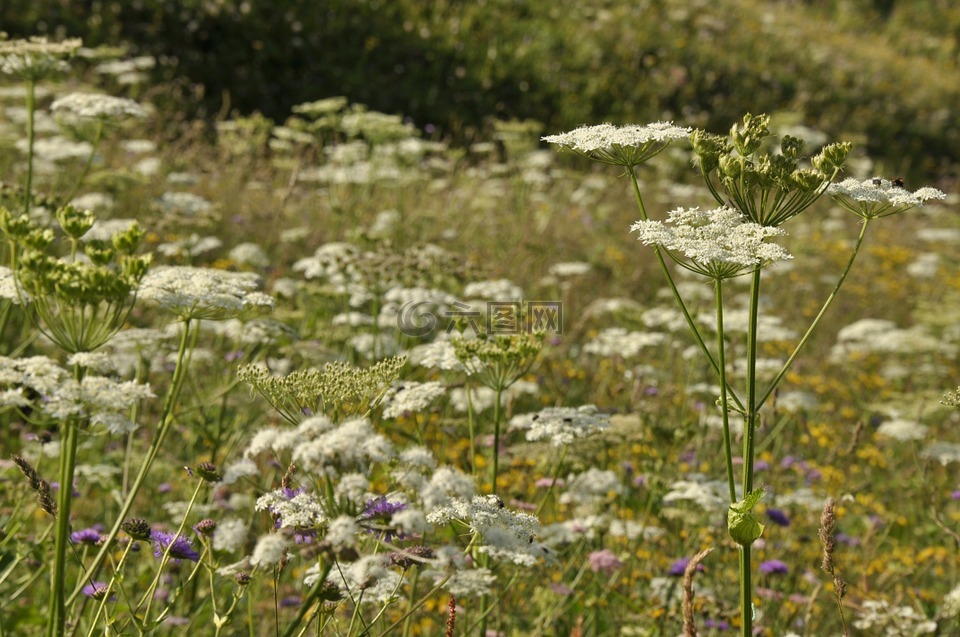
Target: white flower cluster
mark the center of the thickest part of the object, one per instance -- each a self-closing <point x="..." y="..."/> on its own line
<point x="97" y="106"/>
<point x="902" y="429"/>
<point x="587" y="139"/>
<point x="589" y="490"/>
<point x="878" y="190"/>
<point x="351" y="445"/>
<point x="301" y="511"/>
<point x="496" y="290"/>
<point x="410" y="398"/>
<point x="616" y="341"/>
<point x="367" y="580"/>
<point x="561" y="425"/>
<point x="504" y="534"/>
<point x="902" y="620"/>
<point x="712" y="239"/>
<point x="35" y="57"/>
<point x="8" y="286"/>
<point x="102" y="400"/>
<point x="203" y="293"/>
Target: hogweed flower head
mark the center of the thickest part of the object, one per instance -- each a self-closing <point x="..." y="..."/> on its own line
<point x="97" y="106"/>
<point x="767" y="187"/>
<point x="498" y="360"/>
<point x="718" y="243"/>
<point x="204" y="293"/>
<point x="35" y="58"/>
<point x="338" y="390"/>
<point x="628" y="146"/>
<point x="561" y="425"/>
<point x="80" y="304"/>
<point x="878" y="197"/>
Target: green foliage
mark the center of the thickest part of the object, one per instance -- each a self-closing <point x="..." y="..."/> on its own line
<point x="453" y="65"/>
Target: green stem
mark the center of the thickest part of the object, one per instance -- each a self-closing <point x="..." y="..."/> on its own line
<point x="69" y="432"/>
<point x="676" y="293"/>
<point x="496" y="439"/>
<point x="31" y="135"/>
<point x="176" y="382"/>
<point x="746" y="594"/>
<point x="724" y="402"/>
<point x="749" y="428"/>
<point x="816" y="321"/>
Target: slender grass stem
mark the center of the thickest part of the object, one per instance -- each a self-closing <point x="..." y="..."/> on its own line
<point x="724" y="402"/>
<point x="676" y="294"/>
<point x="166" y="419"/>
<point x="816" y="321"/>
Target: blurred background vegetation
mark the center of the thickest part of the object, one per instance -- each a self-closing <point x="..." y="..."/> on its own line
<point x="880" y="72"/>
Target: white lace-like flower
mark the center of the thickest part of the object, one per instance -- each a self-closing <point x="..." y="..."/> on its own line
<point x="497" y="290"/>
<point x="367" y="580"/>
<point x="620" y="145"/>
<point x="8" y="286"/>
<point x="203" y="293"/>
<point x="270" y="549"/>
<point x="561" y="425"/>
<point x="411" y="398"/>
<point x="900" y="620"/>
<point x="616" y="341"/>
<point x="902" y="429"/>
<point x="504" y="534"/>
<point x="230" y="535"/>
<point x="351" y="446"/>
<point x="97" y="106"/>
<point x="879" y="197"/>
<point x="719" y="243"/>
<point x="299" y="511"/>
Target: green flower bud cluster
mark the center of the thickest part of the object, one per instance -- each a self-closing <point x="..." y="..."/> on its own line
<point x="498" y="360"/>
<point x="338" y="390"/>
<point x="767" y="187"/>
<point x="79" y="304"/>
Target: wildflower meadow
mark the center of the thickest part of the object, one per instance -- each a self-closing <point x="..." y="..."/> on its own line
<point x="336" y="375"/>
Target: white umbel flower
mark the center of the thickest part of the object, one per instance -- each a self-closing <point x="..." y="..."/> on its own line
<point x="97" y="106"/>
<point x="203" y="293"/>
<point x="270" y="549"/>
<point x="628" y="145"/>
<point x="561" y="425"/>
<point x="878" y="197"/>
<point x="719" y="243"/>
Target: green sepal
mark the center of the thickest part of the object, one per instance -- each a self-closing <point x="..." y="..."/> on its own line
<point x="742" y="525"/>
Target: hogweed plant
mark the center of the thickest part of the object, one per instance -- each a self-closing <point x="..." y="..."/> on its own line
<point x="758" y="188"/>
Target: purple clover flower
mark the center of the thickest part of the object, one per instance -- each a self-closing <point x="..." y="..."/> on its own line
<point x="180" y="547"/>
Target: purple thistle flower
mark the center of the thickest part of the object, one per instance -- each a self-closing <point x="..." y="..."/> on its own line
<point x="180" y="547"/>
<point x="778" y="517"/>
<point x="774" y="567"/>
<point x="955" y="495"/>
<point x="89" y="536"/>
